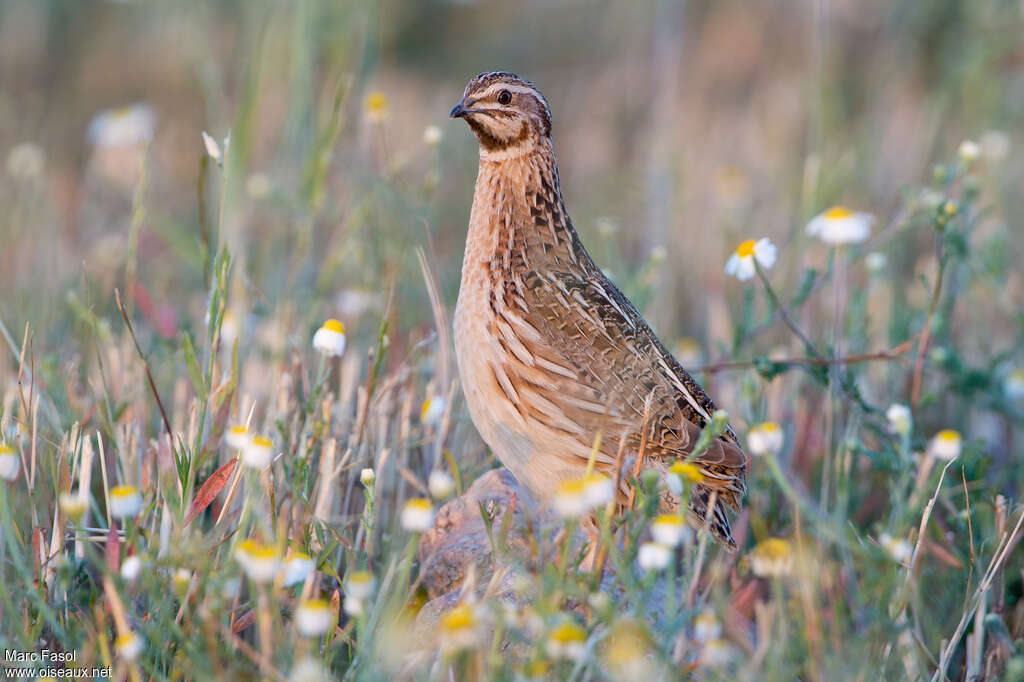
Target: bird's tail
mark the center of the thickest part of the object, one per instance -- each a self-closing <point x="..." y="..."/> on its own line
<point x="700" y="499"/>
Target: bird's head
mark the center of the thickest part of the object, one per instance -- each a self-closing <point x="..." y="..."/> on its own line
<point x="505" y="112"/>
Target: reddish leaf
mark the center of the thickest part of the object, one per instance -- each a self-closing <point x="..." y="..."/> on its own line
<point x="210" y="489"/>
<point x="243" y="622"/>
<point x="113" y="550"/>
<point x="37" y="548"/>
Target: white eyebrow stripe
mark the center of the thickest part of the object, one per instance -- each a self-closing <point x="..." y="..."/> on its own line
<point x="511" y="87"/>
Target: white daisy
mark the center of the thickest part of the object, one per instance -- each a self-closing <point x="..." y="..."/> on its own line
<point x="125" y="501"/>
<point x="771" y="558"/>
<point x="125" y="127"/>
<point x="653" y="556"/>
<point x="969" y="151"/>
<point x="946" y="444"/>
<point x="839" y="225"/>
<point x="432" y="136"/>
<point x="897" y="548"/>
<point x="9" y="462"/>
<point x="314" y="617"/>
<point x="258" y="452"/>
<point x="417" y="515"/>
<point x="668" y="529"/>
<point x="330" y="338"/>
<point x="129" y="646"/>
<point x="765" y="438"/>
<point x="567" y="640"/>
<point x="741" y="263"/>
<point x="441" y="484"/>
<point x="900" y="419"/>
<point x="297" y="567"/>
<point x="432" y="410"/>
<point x="1013" y="385"/>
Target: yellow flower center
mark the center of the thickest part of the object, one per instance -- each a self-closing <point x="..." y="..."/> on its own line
<point x="238" y="430"/>
<point x="948" y="435"/>
<point x="418" y="504"/>
<point x="838" y="213"/>
<point x="687" y="470"/>
<point x="950" y="208"/>
<point x="6" y="449"/>
<point x="571" y="488"/>
<point x="746" y="249"/>
<point x="376" y="103"/>
<point x="333" y="325"/>
<point x="459" y="618"/>
<point x="773" y="549"/>
<point x="360" y="578"/>
<point x="769" y="427"/>
<point x="123" y="491"/>
<point x="668" y="520"/>
<point x="568" y="632"/>
<point x="262" y="441"/>
<point x="315" y="605"/>
<point x="426" y="408"/>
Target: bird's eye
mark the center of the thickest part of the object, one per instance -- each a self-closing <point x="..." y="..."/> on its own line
<point x="504" y="97"/>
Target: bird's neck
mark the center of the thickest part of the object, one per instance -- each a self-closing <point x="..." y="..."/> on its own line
<point x="518" y="220"/>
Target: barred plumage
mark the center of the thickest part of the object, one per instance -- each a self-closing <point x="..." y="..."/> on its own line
<point x="550" y="352"/>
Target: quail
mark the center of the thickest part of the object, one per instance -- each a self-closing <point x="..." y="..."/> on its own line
<point x="550" y="353"/>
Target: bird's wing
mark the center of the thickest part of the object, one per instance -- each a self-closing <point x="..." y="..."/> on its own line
<point x="585" y="358"/>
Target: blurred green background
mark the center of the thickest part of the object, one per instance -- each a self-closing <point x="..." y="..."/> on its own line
<point x="682" y="128"/>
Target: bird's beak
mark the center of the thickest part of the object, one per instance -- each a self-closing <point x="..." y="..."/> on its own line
<point x="459" y="111"/>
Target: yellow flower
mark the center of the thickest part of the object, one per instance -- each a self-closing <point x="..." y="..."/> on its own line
<point x="681" y="474"/>
<point x="376" y="105"/>
<point x="627" y="651"/>
<point x="260" y="562"/>
<point x="567" y="640"/>
<point x="330" y="338"/>
<point x="950" y="208"/>
<point x="181" y="580"/>
<point x="129" y="646"/>
<point x="459" y="628"/>
<point x="772" y="558"/>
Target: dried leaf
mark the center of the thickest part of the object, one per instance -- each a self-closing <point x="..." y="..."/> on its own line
<point x="210" y="489"/>
<point x="113" y="550"/>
